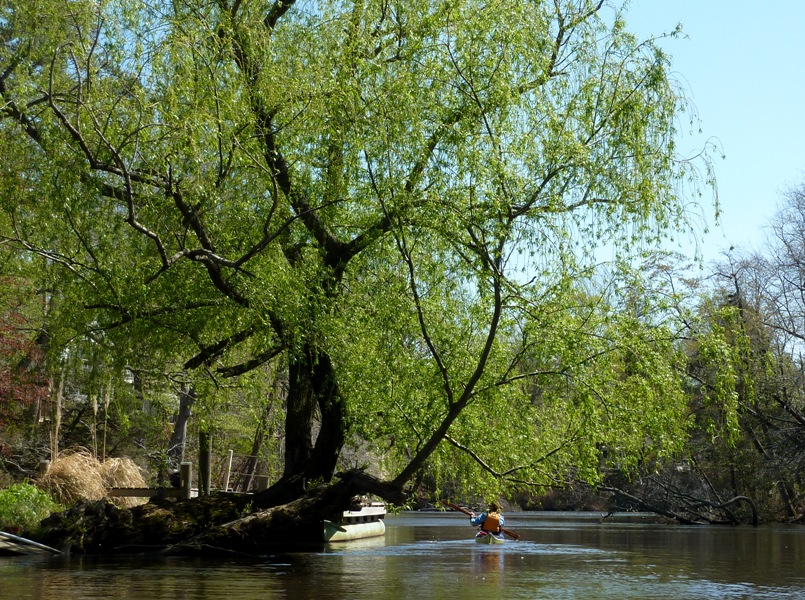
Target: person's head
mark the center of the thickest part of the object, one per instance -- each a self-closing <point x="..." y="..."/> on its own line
<point x="493" y="507"/>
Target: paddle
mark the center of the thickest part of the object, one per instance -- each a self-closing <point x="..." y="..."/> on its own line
<point x="469" y="513"/>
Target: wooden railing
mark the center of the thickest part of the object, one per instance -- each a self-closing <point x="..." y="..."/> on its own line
<point x="183" y="492"/>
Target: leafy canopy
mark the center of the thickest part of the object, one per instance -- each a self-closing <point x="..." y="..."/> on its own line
<point x="414" y="190"/>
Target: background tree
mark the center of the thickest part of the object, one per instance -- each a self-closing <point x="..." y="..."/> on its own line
<point x="744" y="450"/>
<point x="23" y="376"/>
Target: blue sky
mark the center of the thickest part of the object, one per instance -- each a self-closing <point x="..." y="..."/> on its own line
<point x="741" y="63"/>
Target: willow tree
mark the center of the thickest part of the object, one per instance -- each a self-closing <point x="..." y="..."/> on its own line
<point x="397" y="199"/>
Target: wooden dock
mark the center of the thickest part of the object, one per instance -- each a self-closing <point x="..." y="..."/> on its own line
<point x="183" y="492"/>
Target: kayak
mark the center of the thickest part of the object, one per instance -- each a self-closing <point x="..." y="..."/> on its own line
<point x="483" y="537"/>
<point x="498" y="539"/>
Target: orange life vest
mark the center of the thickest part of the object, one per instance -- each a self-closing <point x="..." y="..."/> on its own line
<point x="491" y="523"/>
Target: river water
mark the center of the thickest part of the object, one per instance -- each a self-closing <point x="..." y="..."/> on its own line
<point x="432" y="555"/>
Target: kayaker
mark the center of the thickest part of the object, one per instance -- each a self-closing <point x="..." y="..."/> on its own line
<point x="490" y="521"/>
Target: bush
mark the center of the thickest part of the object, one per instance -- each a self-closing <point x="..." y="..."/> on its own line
<point x="23" y="506"/>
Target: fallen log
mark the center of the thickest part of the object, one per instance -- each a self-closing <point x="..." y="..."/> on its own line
<point x="296" y="523"/>
<point x="101" y="527"/>
<point x="689" y="506"/>
<point x="211" y="525"/>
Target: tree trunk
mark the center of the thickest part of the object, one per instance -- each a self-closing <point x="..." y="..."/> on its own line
<point x="312" y="387"/>
<point x="299" y="417"/>
<point x="295" y="523"/>
<point x="333" y="430"/>
<point x="56" y="416"/>
<point x="187" y="397"/>
<point x="257" y="443"/>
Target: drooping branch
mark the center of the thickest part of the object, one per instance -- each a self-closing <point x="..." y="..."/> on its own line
<point x="126" y="192"/>
<point x="251" y="364"/>
<point x="646" y="505"/>
<point x="455" y="405"/>
<point x="508" y="473"/>
<point x="12" y="109"/>
<point x="682" y="507"/>
<point x="127" y="315"/>
<point x="211" y="352"/>
<point x="275" y="13"/>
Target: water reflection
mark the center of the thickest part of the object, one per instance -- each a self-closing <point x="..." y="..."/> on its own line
<point x="488" y="560"/>
<point x="434" y="556"/>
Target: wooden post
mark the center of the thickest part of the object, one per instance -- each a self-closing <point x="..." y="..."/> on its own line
<point x="204" y="463"/>
<point x="228" y="471"/>
<point x="185" y="479"/>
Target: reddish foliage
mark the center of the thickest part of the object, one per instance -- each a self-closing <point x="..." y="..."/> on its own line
<point x="22" y="381"/>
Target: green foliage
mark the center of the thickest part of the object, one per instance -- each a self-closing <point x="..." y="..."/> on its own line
<point x="717" y="349"/>
<point x="400" y="204"/>
<point x="23" y="506"/>
<point x="583" y="384"/>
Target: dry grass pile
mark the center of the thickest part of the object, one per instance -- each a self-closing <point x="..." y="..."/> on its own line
<point x="73" y="477"/>
<point x="81" y="476"/>
<point x="123" y="472"/>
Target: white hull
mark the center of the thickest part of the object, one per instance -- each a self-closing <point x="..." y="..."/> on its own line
<point x="357" y="525"/>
